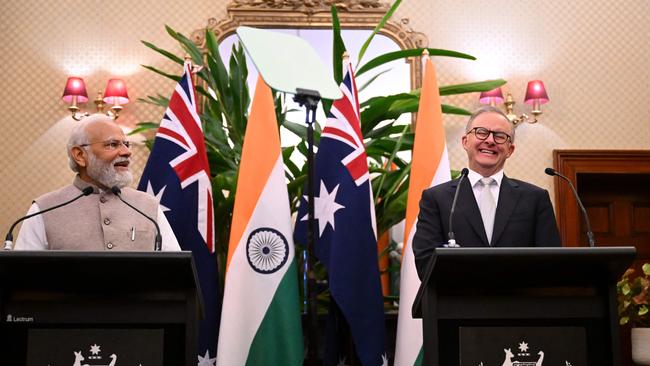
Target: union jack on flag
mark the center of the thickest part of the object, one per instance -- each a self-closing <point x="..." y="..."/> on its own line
<point x="346" y="240"/>
<point x="343" y="124"/>
<point x="178" y="175"/>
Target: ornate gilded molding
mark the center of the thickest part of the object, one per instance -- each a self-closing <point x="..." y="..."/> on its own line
<point x="315" y="14"/>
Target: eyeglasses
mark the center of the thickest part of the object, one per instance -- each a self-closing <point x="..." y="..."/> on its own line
<point x="483" y="133"/>
<point x="111" y="144"/>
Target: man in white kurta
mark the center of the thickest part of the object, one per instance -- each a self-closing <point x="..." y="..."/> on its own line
<point x="99" y="152"/>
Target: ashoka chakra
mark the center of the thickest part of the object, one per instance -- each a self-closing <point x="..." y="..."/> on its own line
<point x="267" y="250"/>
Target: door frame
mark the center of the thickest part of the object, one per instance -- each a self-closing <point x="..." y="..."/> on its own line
<point x="572" y="162"/>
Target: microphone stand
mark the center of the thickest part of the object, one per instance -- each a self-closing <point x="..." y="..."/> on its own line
<point x="158" y="241"/>
<point x="10" y="236"/>
<point x="309" y="99"/>
<point x="452" y="237"/>
<point x="590" y="234"/>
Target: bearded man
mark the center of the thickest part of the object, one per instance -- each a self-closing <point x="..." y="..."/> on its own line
<point x="492" y="210"/>
<point x="100" y="155"/>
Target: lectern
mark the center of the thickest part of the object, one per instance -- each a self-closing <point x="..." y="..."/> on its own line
<point x="98" y="308"/>
<point x="526" y="306"/>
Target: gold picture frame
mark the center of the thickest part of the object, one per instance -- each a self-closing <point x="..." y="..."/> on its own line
<point x="315" y="14"/>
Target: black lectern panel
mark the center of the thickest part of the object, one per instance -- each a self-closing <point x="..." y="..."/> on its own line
<point x="487" y="294"/>
<point x="62" y="304"/>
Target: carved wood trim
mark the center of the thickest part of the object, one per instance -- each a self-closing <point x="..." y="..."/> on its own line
<point x="572" y="162"/>
<point x="315" y="14"/>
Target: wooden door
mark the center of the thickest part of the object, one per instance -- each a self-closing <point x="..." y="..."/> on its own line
<point x="614" y="186"/>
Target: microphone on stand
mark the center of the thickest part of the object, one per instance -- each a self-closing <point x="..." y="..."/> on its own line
<point x="158" y="242"/>
<point x="452" y="236"/>
<point x="590" y="234"/>
<point x="10" y="236"/>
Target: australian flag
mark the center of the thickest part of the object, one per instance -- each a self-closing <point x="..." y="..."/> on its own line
<point x="346" y="241"/>
<point x="178" y="175"/>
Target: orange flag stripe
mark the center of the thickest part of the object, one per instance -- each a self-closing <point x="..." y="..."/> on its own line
<point x="428" y="146"/>
<point x="260" y="153"/>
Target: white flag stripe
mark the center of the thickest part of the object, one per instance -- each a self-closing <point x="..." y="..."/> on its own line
<point x="443" y="173"/>
<point x="409" y="346"/>
<point x="248" y="293"/>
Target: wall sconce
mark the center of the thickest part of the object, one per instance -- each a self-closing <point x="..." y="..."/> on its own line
<point x="535" y="95"/>
<point x="75" y="94"/>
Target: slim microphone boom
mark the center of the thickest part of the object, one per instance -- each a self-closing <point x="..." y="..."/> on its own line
<point x="10" y="236"/>
<point x="158" y="242"/>
<point x="590" y="234"/>
<point x="452" y="236"/>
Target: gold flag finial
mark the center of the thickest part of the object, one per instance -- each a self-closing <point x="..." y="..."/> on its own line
<point x="425" y="52"/>
<point x="193" y="67"/>
<point x="346" y="55"/>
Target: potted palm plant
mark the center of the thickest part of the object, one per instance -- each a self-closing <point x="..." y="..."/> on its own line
<point x="634" y="309"/>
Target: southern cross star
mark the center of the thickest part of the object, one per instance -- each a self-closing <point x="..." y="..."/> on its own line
<point x="157" y="195"/>
<point x="324" y="208"/>
<point x="206" y="360"/>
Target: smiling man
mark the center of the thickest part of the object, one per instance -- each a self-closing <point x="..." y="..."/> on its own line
<point x="99" y="152"/>
<point x="492" y="209"/>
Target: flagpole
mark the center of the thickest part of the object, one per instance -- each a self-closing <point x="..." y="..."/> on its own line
<point x="310" y="99"/>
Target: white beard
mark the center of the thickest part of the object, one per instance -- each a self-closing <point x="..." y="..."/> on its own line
<point x="105" y="173"/>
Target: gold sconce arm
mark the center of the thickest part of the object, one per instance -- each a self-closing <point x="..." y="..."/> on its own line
<point x="509" y="104"/>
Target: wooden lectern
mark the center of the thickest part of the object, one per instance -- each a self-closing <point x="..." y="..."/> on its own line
<point x="78" y="305"/>
<point x="484" y="305"/>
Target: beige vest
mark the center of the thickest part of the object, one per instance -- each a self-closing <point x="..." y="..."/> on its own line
<point x="99" y="221"/>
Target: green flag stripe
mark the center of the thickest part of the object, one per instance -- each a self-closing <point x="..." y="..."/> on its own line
<point x="418" y="361"/>
<point x="278" y="340"/>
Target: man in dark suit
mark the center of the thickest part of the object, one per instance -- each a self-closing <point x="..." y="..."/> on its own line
<point x="492" y="209"/>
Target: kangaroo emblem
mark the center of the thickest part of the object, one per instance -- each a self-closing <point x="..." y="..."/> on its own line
<point x="78" y="358"/>
<point x="507" y="361"/>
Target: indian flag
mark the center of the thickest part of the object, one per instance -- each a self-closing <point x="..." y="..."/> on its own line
<point x="260" y="319"/>
<point x="429" y="167"/>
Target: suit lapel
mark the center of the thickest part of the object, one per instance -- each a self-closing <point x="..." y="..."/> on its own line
<point x="508" y="197"/>
<point x="469" y="208"/>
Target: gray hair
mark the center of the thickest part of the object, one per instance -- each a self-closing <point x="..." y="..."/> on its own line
<point x="79" y="136"/>
<point x="490" y="109"/>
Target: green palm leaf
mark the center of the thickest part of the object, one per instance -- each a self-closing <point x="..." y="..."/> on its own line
<point x="396" y="55"/>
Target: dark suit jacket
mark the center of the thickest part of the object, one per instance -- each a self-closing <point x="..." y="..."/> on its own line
<point x="524" y="218"/>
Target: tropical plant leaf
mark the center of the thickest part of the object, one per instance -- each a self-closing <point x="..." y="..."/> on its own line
<point x="372" y="79"/>
<point x="217" y="67"/>
<point x="144" y="126"/>
<point x="176" y="78"/>
<point x="298" y="129"/>
<point x="396" y="55"/>
<point x="338" y="47"/>
<point x="479" y="86"/>
<point x="189" y="46"/>
<point x="163" y="52"/>
<point x="157" y="100"/>
<point x="389" y="162"/>
<point x="379" y="26"/>
<point x="450" y="109"/>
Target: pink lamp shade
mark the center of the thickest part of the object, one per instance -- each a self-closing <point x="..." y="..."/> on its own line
<point x="75" y="87"/>
<point x="536" y="92"/>
<point x="493" y="96"/>
<point x="116" y="92"/>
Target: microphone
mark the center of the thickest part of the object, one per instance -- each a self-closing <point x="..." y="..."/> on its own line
<point x="452" y="236"/>
<point x="10" y="236"/>
<point x="590" y="234"/>
<point x="158" y="242"/>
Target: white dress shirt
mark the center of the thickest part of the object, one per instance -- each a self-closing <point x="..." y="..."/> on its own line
<point x="474" y="177"/>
